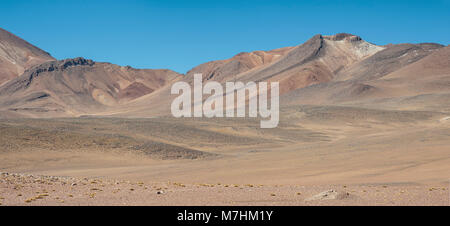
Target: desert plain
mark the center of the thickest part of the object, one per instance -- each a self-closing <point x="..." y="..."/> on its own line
<point x="360" y="124"/>
<point x="358" y="156"/>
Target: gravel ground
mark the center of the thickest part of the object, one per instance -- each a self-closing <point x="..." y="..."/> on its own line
<point x="35" y="190"/>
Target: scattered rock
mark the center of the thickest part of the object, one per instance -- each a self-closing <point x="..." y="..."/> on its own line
<point x="328" y="195"/>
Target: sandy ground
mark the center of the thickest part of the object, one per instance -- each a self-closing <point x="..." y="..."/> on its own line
<point x="20" y="189"/>
<point x="360" y="156"/>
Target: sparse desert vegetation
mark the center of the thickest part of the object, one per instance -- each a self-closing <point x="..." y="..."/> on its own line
<point x="399" y="158"/>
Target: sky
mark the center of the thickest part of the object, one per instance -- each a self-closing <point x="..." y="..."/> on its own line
<point x="179" y="35"/>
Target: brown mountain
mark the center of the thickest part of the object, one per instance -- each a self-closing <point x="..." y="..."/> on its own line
<point x="386" y="61"/>
<point x="340" y="69"/>
<point x="316" y="61"/>
<point x="74" y="87"/>
<point x="17" y="55"/>
<point x="224" y="70"/>
<point x="385" y="77"/>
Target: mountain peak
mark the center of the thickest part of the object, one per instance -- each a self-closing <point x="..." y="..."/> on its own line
<point x="13" y="40"/>
<point x="17" y="55"/>
<point x="343" y="36"/>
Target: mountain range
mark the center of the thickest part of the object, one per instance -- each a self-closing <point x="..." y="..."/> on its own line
<point x="340" y="69"/>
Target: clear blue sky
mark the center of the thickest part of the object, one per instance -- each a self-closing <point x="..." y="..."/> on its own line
<point x="181" y="34"/>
